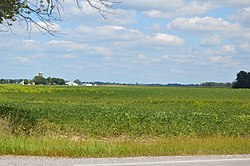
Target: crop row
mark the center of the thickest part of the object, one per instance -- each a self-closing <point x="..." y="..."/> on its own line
<point x="126" y="111"/>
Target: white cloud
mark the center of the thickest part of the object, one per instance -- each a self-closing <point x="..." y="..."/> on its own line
<point x="140" y="57"/>
<point x="202" y="24"/>
<point x="156" y="4"/>
<point x="226" y="61"/>
<point x="22" y="59"/>
<point x="86" y="12"/>
<point x="167" y="39"/>
<point x="43" y="27"/>
<point x="30" y="44"/>
<point x="122" y="17"/>
<point x="232" y="3"/>
<point x="177" y="71"/>
<point x="156" y="60"/>
<point x="157" y="14"/>
<point x="69" y="56"/>
<point x="210" y="40"/>
<point x="217" y="59"/>
<point x="181" y="58"/>
<point x="67" y="45"/>
<point x="242" y="16"/>
<point x="228" y="49"/>
<point x="190" y="9"/>
<point x="71" y="8"/>
<point x="245" y="47"/>
<point x="155" y="27"/>
<point x="170" y="4"/>
<point x="104" y="51"/>
<point x="74" y="46"/>
<point x="124" y="37"/>
<point x="205" y="57"/>
<point x="113" y="28"/>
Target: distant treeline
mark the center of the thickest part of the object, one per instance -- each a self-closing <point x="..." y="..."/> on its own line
<point x="242" y="81"/>
<point x="57" y="81"/>
<point x="216" y="84"/>
<point x="11" y="81"/>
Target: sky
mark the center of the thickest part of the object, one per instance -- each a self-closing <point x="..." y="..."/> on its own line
<point x="142" y="41"/>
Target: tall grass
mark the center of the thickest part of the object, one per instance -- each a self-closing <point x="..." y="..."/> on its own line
<point x="122" y="148"/>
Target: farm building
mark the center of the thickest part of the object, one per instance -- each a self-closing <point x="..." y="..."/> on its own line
<point x="40" y="74"/>
<point x="71" y="84"/>
<point x="21" y="83"/>
<point x="86" y="84"/>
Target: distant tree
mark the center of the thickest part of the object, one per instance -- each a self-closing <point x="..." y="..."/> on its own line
<point x="77" y="81"/>
<point x="58" y="81"/>
<point x="40" y="80"/>
<point x="216" y="84"/>
<point x="55" y="81"/>
<point x="49" y="80"/>
<point x="242" y="80"/>
<point x="25" y="81"/>
<point x="61" y="81"/>
<point x="2" y="81"/>
<point x="12" y="81"/>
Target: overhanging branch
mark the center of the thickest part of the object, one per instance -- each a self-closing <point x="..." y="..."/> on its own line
<point x="32" y="12"/>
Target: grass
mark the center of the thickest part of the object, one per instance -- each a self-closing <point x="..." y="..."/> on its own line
<point x="122" y="148"/>
<point x="123" y="121"/>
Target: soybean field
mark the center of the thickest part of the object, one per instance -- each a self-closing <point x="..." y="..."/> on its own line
<point x="124" y="112"/>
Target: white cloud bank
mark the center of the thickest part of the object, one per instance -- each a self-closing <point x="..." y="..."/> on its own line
<point x="202" y="24"/>
<point x="167" y="39"/>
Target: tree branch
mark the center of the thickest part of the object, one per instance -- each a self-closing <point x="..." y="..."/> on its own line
<point x="46" y="11"/>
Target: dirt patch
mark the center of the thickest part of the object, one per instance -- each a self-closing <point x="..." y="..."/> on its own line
<point x="4" y="125"/>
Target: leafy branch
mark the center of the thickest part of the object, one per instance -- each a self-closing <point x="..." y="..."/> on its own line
<point x="43" y="13"/>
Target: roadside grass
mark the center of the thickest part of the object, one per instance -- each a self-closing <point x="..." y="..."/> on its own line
<point x="55" y="147"/>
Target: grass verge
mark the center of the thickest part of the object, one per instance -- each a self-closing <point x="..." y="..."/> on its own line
<point x="35" y="146"/>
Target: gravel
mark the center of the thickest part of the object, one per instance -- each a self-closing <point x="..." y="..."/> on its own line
<point x="178" y="160"/>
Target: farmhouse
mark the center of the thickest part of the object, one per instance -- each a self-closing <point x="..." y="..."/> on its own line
<point x="22" y="83"/>
<point x="71" y="84"/>
<point x="86" y="84"/>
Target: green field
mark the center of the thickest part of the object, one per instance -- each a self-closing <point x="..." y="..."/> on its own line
<point x="123" y="121"/>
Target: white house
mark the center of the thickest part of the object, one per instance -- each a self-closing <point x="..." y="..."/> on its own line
<point x="21" y="83"/>
<point x="71" y="84"/>
<point x="87" y="84"/>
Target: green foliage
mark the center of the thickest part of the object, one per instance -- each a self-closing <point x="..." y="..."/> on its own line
<point x="77" y="81"/>
<point x="12" y="10"/>
<point x="40" y="80"/>
<point x="8" y="9"/>
<point x="127" y="111"/>
<point x="242" y="80"/>
<point x="33" y="146"/>
<point x="55" y="81"/>
<point x="216" y="84"/>
<point x="21" y="120"/>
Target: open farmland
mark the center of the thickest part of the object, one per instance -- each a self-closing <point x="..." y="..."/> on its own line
<point x="113" y="120"/>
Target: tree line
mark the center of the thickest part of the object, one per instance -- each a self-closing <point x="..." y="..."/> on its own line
<point x="242" y="81"/>
<point x="37" y="80"/>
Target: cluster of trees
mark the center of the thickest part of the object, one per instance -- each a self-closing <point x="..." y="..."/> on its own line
<point x="216" y="84"/>
<point x="40" y="80"/>
<point x="10" y="81"/>
<point x="242" y="80"/>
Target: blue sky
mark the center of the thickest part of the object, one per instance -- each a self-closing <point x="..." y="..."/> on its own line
<point x="160" y="41"/>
